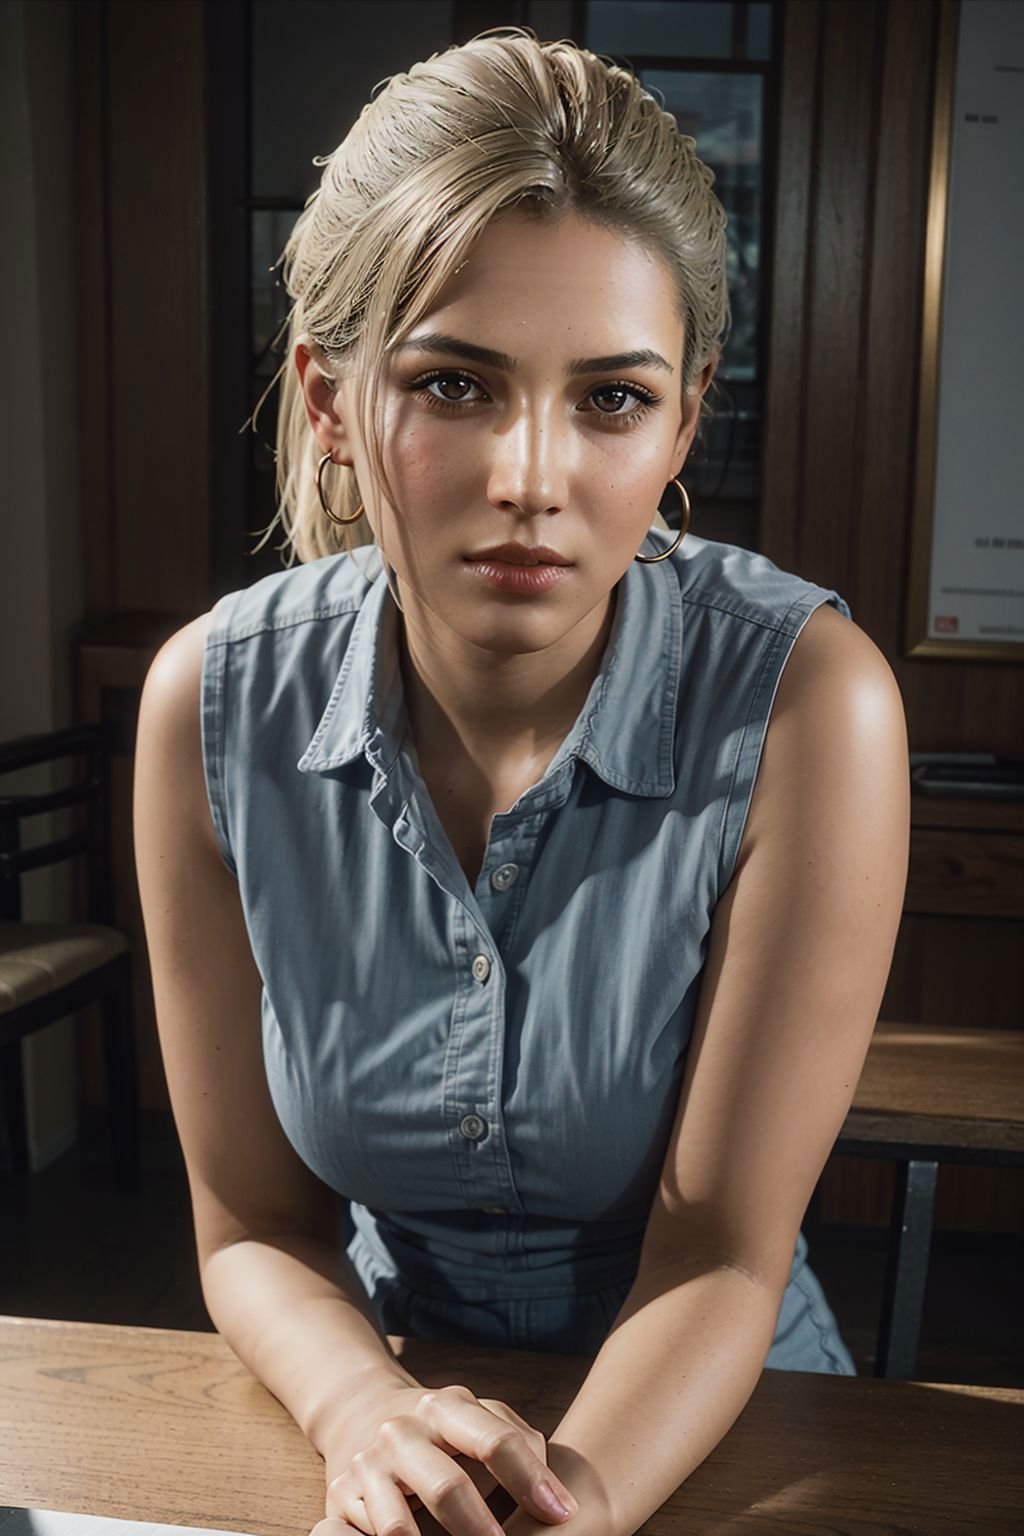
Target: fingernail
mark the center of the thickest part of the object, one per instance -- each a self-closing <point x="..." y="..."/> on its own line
<point x="552" y="1501"/>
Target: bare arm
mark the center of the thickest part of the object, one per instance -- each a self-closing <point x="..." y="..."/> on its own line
<point x="275" y="1278"/>
<point x="800" y="949"/>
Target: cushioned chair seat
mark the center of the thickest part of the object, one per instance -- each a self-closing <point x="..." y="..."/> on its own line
<point x="36" y="958"/>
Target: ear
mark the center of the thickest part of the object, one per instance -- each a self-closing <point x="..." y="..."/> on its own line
<point x="322" y="395"/>
<point x="691" y="420"/>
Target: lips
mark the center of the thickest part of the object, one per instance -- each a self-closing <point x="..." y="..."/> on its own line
<point x="520" y="554"/>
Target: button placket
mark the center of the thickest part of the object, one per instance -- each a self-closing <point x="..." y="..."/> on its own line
<point x="472" y="1098"/>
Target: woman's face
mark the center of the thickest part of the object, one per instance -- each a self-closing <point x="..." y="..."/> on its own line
<point x="535" y="415"/>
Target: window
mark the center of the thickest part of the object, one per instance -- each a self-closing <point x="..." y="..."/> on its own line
<point x="709" y="62"/>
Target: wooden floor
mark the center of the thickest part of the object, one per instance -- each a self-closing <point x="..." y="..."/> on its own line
<point x="73" y="1248"/>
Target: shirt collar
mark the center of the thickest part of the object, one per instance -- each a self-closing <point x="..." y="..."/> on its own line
<point x="362" y="714"/>
<point x="625" y="731"/>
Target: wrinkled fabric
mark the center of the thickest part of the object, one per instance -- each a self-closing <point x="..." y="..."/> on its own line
<point x="488" y="1076"/>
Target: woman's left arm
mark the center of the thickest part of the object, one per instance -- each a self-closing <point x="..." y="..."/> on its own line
<point x="799" y="952"/>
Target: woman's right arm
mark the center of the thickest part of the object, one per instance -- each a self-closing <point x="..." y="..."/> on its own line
<point x="275" y="1278"/>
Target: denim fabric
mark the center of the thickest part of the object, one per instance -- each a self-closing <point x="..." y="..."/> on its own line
<point x="489" y="1075"/>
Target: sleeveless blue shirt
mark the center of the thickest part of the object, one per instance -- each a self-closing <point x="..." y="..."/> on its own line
<point x="489" y="1076"/>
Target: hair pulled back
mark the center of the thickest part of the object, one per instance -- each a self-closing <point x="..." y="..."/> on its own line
<point x="499" y="123"/>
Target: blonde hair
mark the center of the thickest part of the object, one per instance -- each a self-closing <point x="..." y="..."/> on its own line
<point x="504" y="122"/>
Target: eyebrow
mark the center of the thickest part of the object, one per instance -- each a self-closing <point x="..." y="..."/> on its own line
<point x="451" y="346"/>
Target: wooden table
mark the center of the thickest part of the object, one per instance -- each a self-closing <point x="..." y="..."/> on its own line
<point x="928" y="1096"/>
<point x="154" y="1425"/>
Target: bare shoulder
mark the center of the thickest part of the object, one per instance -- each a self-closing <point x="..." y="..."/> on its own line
<point x="832" y="658"/>
<point x="175" y="673"/>
<point x="835" y="750"/>
<point x="169" y="745"/>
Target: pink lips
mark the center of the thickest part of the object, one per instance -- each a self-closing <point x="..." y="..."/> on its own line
<point x="521" y="554"/>
<point x="519" y="568"/>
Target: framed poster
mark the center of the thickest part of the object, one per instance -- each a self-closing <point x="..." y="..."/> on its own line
<point x="966" y="597"/>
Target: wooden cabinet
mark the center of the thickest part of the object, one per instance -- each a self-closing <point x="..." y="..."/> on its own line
<point x="959" y="963"/>
<point x="966" y="858"/>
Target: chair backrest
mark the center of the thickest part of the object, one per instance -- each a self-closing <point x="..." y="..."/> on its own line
<point x="89" y="746"/>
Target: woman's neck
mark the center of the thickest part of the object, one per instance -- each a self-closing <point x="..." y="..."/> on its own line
<point x="505" y="714"/>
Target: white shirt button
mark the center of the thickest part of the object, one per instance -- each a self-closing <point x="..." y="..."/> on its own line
<point x="473" y="1127"/>
<point x="505" y="876"/>
<point x="481" y="968"/>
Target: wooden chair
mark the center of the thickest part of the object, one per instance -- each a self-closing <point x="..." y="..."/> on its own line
<point x="51" y="970"/>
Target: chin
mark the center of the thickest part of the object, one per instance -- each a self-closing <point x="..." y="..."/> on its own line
<point x="515" y="635"/>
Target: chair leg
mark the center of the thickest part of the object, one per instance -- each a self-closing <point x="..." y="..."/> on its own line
<point x="122" y="1083"/>
<point x="12" y="1089"/>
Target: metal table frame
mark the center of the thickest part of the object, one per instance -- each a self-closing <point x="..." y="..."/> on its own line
<point x="910" y="1237"/>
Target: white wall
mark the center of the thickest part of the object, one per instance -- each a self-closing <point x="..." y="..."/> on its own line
<point x="41" y="597"/>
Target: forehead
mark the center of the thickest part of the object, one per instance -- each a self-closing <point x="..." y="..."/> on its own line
<point x="566" y="281"/>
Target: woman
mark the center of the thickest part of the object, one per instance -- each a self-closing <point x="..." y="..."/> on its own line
<point x="561" y="858"/>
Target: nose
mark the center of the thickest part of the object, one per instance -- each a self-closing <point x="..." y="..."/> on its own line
<point x="529" y="472"/>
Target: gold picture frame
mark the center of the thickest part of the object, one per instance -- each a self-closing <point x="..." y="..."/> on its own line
<point x="918" y="641"/>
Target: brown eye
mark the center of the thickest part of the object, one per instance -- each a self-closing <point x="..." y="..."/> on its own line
<point x="447" y="388"/>
<point x="452" y="382"/>
<point x="619" y="394"/>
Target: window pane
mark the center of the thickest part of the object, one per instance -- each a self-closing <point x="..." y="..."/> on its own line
<point x="314" y="65"/>
<point x="692" y="29"/>
<point x="759" y="30"/>
<point x="724" y="114"/>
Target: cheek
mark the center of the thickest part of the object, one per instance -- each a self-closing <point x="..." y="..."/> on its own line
<point x="630" y="503"/>
<point x="423" y="468"/>
<point x="635" y="468"/>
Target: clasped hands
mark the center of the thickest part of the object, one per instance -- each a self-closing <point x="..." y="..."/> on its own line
<point x="444" y="1450"/>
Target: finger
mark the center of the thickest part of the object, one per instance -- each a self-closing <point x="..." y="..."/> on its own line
<point x="445" y="1488"/>
<point x="338" y="1499"/>
<point x="535" y="1439"/>
<point x="483" y="1481"/>
<point x="511" y="1449"/>
<point x="332" y="1526"/>
<point x="345" y="1504"/>
<point x="504" y="1451"/>
<point x="340" y="1503"/>
<point x="387" y="1509"/>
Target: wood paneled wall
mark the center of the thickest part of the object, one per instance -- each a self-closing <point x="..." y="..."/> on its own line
<point x="143" y="334"/>
<point x="840" y="429"/>
<point x="837" y="497"/>
<point x="144" y="328"/>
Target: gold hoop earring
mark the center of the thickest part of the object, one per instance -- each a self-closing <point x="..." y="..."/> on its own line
<point x="343" y="521"/>
<point x="654" y="559"/>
